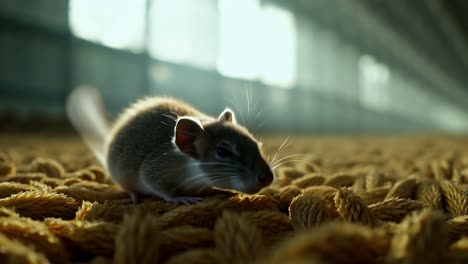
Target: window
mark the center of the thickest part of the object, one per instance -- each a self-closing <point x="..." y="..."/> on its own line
<point x="113" y="23"/>
<point x="184" y="31"/>
<point x="327" y="64"/>
<point x="257" y="42"/>
<point x="373" y="83"/>
<point x="278" y="66"/>
<point x="241" y="39"/>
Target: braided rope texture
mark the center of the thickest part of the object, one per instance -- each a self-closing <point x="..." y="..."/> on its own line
<point x="400" y="199"/>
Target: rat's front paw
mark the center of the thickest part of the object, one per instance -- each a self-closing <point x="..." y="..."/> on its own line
<point x="184" y="200"/>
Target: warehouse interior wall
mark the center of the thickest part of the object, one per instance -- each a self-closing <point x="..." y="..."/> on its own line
<point x="302" y="66"/>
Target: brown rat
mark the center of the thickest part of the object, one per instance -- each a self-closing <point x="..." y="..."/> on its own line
<point x="164" y="147"/>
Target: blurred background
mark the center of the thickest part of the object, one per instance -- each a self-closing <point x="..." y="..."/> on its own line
<point x="315" y="66"/>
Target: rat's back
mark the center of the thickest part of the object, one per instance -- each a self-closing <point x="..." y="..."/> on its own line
<point x="145" y="131"/>
<point x="164" y="147"/>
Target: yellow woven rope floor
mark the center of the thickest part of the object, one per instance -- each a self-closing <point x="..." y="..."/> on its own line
<point x="350" y="200"/>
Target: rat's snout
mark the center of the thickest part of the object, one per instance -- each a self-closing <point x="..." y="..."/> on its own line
<point x="265" y="178"/>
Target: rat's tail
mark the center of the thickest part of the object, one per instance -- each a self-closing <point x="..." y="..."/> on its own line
<point x="86" y="112"/>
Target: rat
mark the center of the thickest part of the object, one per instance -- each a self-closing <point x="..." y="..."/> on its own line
<point x="164" y="147"/>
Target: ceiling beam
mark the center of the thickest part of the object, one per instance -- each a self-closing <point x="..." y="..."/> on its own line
<point x="382" y="36"/>
<point x="453" y="34"/>
<point x="409" y="20"/>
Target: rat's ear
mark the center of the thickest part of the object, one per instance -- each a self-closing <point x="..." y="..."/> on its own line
<point x="228" y="116"/>
<point x="187" y="132"/>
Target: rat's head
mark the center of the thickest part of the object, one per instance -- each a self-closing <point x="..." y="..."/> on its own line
<point x="228" y="154"/>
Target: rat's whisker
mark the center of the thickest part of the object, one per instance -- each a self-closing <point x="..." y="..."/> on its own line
<point x="224" y="168"/>
<point x="258" y="114"/>
<point x="260" y="126"/>
<point x="221" y="164"/>
<point x="279" y="149"/>
<point x="213" y="178"/>
<point x="199" y="179"/>
<point x="289" y="144"/>
<point x="256" y="120"/>
<point x="284" y="162"/>
<point x="221" y="179"/>
<point x="174" y="113"/>
<point x="180" y="170"/>
<point x="257" y="102"/>
<point x="170" y="117"/>
<point x="224" y="175"/>
<point x="238" y="111"/>
<point x="213" y="172"/>
<point x="289" y="156"/>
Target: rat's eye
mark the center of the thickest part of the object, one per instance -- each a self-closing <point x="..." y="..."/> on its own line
<point x="223" y="152"/>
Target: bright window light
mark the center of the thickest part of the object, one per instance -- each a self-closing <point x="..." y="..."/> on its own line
<point x="184" y="31"/>
<point x="238" y="38"/>
<point x="279" y="47"/>
<point x="257" y="42"/>
<point x="373" y="80"/>
<point x="113" y="23"/>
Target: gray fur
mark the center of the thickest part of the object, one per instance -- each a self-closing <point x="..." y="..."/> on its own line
<point x="142" y="155"/>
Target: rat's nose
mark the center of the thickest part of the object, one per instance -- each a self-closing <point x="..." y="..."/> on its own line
<point x="265" y="178"/>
